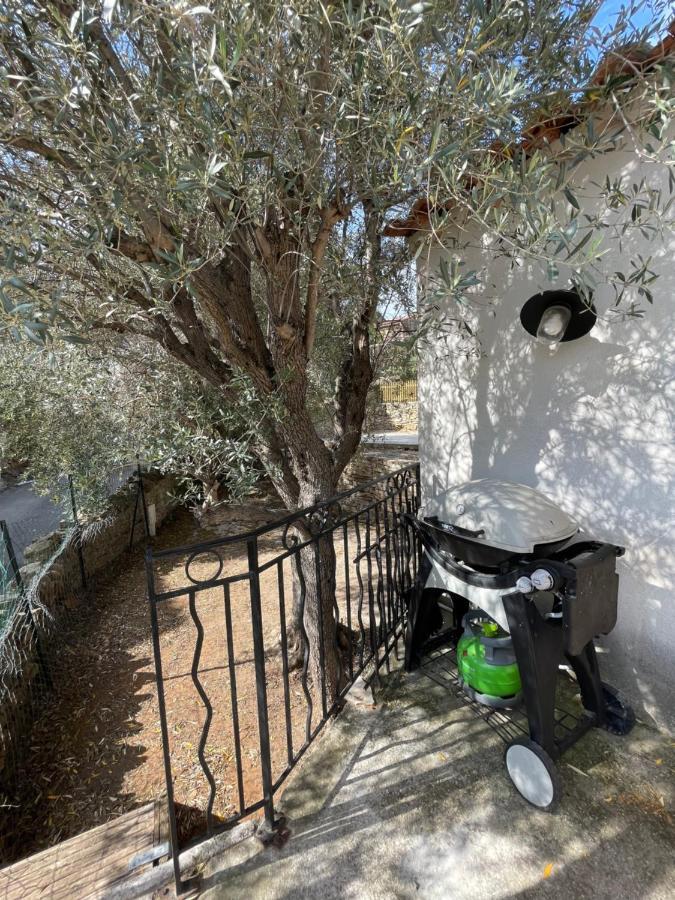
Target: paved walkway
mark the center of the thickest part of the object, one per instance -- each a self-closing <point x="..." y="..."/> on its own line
<point x="410" y="799"/>
<point x="391" y="439"/>
<point x="28" y="514"/>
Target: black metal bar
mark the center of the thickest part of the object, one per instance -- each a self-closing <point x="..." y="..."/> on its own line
<point x="348" y="599"/>
<point x="395" y="540"/>
<point x="305" y="646"/>
<point x="25" y="602"/>
<point x="379" y="594"/>
<point x="359" y="607"/>
<point x="206" y="727"/>
<point x="141" y="490"/>
<point x="133" y="520"/>
<point x="408" y="508"/>
<point x="284" y="662"/>
<point x="140" y="499"/>
<point x="233" y="697"/>
<point x="391" y="613"/>
<point x="322" y="647"/>
<point x="78" y="532"/>
<point x="261" y="684"/>
<point x="336" y="629"/>
<point x="181" y="886"/>
<point x="371" y="600"/>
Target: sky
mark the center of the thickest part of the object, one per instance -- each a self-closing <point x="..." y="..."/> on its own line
<point x="610" y="8"/>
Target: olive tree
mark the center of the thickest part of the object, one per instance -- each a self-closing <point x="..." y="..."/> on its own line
<point x="204" y="177"/>
<point x="90" y="414"/>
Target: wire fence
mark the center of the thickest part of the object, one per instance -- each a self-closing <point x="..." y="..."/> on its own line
<point x="50" y="555"/>
<point x="398" y="391"/>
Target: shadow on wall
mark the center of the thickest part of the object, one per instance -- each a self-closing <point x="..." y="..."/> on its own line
<point x="589" y="424"/>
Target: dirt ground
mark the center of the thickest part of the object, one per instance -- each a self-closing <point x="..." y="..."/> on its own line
<point x="96" y="751"/>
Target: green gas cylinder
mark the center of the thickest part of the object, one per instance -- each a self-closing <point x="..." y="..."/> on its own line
<point x="486" y="662"/>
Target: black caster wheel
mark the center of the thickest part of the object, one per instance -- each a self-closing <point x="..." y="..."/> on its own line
<point x="533" y="773"/>
<point x="619" y="715"/>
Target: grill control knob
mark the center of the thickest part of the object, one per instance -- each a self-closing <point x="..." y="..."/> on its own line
<point x="542" y="580"/>
<point x="524" y="585"/>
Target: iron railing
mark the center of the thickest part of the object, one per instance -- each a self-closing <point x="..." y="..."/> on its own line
<point x="235" y="716"/>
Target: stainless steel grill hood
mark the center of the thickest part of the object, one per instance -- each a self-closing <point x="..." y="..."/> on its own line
<point x="500" y="514"/>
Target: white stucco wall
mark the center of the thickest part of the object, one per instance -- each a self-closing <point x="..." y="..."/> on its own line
<point x="590" y="424"/>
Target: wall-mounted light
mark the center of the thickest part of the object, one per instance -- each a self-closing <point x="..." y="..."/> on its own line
<point x="553" y="324"/>
<point x="556" y="316"/>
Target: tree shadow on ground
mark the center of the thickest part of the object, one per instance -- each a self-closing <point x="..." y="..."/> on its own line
<point x="422" y="807"/>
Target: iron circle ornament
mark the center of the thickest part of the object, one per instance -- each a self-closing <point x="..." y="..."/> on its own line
<point x="203" y="555"/>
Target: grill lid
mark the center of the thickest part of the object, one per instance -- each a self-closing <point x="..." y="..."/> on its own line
<point x="511" y="516"/>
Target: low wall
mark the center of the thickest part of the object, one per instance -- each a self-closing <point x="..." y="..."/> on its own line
<point x="30" y="646"/>
<point x="392" y="417"/>
<point x="102" y="541"/>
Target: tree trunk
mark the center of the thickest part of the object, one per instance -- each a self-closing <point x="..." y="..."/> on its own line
<point x="314" y="618"/>
<point x="312" y="635"/>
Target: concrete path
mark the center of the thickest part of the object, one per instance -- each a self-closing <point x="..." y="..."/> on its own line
<point x="391" y="439"/>
<point x="410" y="799"/>
<point x="28" y="515"/>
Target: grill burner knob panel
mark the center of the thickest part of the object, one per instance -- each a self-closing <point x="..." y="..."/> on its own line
<point x="524" y="585"/>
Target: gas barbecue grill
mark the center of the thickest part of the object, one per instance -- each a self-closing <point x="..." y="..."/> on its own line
<point x="508" y="551"/>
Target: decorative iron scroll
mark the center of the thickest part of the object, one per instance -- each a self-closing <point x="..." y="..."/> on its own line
<point x="312" y="524"/>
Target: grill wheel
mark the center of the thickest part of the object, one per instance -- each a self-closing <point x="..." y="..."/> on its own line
<point x="533" y="773"/>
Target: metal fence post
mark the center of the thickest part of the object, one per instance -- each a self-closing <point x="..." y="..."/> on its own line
<point x="141" y="490"/>
<point x="181" y="886"/>
<point x="140" y="497"/>
<point x="23" y="596"/>
<point x="260" y="684"/>
<point x="80" y="554"/>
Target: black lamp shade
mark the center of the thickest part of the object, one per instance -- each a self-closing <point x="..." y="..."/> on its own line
<point x="583" y="313"/>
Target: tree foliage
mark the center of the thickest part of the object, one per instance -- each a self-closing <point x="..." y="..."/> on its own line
<point x="209" y="178"/>
<point x="213" y="180"/>
<point x="88" y="415"/>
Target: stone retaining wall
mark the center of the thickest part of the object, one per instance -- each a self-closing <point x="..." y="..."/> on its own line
<point x="102" y="541"/>
<point x="369" y="464"/>
<point x="391" y="417"/>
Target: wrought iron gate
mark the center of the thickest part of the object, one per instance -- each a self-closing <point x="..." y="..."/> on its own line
<point x="235" y="716"/>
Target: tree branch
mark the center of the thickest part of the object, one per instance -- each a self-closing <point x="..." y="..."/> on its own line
<point x="317" y="252"/>
<point x="355" y="378"/>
